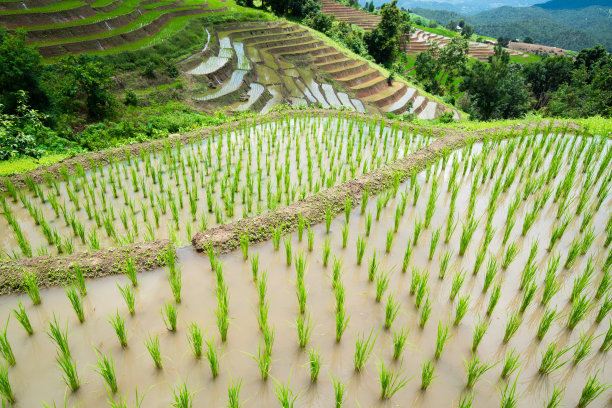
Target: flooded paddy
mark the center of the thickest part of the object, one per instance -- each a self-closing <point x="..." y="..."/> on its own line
<point x="580" y="166"/>
<point x="179" y="191"/>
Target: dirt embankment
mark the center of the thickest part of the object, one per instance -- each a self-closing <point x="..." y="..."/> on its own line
<point x="56" y="270"/>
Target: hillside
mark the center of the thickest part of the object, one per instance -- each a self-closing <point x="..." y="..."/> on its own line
<point x="572" y="29"/>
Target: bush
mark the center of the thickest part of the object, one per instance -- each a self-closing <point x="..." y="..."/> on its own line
<point x="131" y="99"/>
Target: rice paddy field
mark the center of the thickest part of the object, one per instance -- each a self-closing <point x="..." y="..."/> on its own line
<point x="480" y="279"/>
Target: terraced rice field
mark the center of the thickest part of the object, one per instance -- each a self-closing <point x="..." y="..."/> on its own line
<point x="294" y="68"/>
<point x="482" y="280"/>
<point x="180" y="190"/>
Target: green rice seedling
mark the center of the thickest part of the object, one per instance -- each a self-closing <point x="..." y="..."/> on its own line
<point x="490" y="274"/>
<point x="76" y="301"/>
<point x="604" y="284"/>
<point x="326" y="251"/>
<point x="30" y="286"/>
<point x="555" y="398"/>
<point x="106" y="369"/>
<point x="263" y="360"/>
<point x="342" y="321"/>
<point x="605" y="308"/>
<point x="195" y="339"/>
<point x="435" y="236"/>
<point x="390" y="382"/>
<point x="339" y="389"/>
<point x="573" y="253"/>
<point x="558" y="232"/>
<point x="169" y="313"/>
<point x="528" y="295"/>
<point x="583" y="347"/>
<point x="607" y="343"/>
<point x="462" y="308"/>
<point x="152" y="345"/>
<point x="328" y="219"/>
<point x="406" y="260"/>
<point x="466" y="400"/>
<point x="288" y="251"/>
<point x="382" y="283"/>
<point x="119" y="326"/>
<point x="363" y="349"/>
<point x="345" y="232"/>
<point x="466" y="235"/>
<point x="508" y="397"/>
<point x="582" y="281"/>
<point x="422" y="289"/>
<point x="301" y="226"/>
<point x="424" y="313"/>
<point x="416" y="192"/>
<point x="551" y="284"/>
<point x="129" y="297"/>
<point x="475" y="369"/>
<point x="549" y="316"/>
<point x="511" y="363"/>
<point x="509" y="225"/>
<point x="361" y="244"/>
<point x="130" y="270"/>
<point x="348" y="205"/>
<point x="262" y="287"/>
<point x="80" y="279"/>
<point x="580" y="307"/>
<point x="368" y="224"/>
<point x="495" y="294"/>
<point x="5" y="347"/>
<point x="480" y="256"/>
<point x="458" y="279"/>
<point x="592" y="389"/>
<point x="444" y="263"/>
<point x="587" y="240"/>
<point x="285" y="394"/>
<point x="304" y="330"/>
<point x="212" y="355"/>
<point x="181" y="396"/>
<point x="310" y="236"/>
<point x="418" y="227"/>
<point x="552" y="360"/>
<point x="6" y="390"/>
<point x="276" y="237"/>
<point x="22" y="317"/>
<point x="441" y="339"/>
<point x="392" y="310"/>
<point x="255" y="266"/>
<point x="479" y="331"/>
<point x="244" y="245"/>
<point x="389" y="242"/>
<point x="509" y="255"/>
<point x="514" y="322"/>
<point x="69" y="370"/>
<point x="451" y="224"/>
<point x="364" y="199"/>
<point x="427" y="373"/>
<point x="400" y="337"/>
<point x="314" y="362"/>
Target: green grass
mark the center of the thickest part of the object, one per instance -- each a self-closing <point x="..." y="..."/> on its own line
<point x="64" y="5"/>
<point x="23" y="164"/>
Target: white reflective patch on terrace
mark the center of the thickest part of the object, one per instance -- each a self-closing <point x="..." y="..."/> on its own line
<point x="228" y="87"/>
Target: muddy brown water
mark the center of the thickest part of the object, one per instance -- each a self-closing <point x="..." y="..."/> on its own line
<point x="37" y="378"/>
<point x="314" y="130"/>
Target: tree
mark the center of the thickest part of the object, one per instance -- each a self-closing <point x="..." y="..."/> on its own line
<point x="546" y="76"/>
<point x="495" y="89"/>
<point x="371" y="7"/>
<point x="19" y="132"/>
<point x="20" y="70"/>
<point x="503" y="41"/>
<point x="452" y="25"/>
<point x="83" y="78"/>
<point x="438" y="67"/>
<point x="320" y="22"/>
<point x="383" y="42"/>
<point x="296" y="8"/>
<point x="467" y="31"/>
<point x="528" y="40"/>
<point x="245" y="3"/>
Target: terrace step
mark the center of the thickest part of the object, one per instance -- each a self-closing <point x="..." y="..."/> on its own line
<point x="399" y="106"/>
<point x="359" y="78"/>
<point x="348" y="69"/>
<point x="255" y="93"/>
<point x="370" y="87"/>
<point x="386" y="96"/>
<point x="429" y="111"/>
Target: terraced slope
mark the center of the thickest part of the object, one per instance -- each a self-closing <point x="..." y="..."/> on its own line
<point x="258" y="65"/>
<point x="73" y="27"/>
<point x="360" y="18"/>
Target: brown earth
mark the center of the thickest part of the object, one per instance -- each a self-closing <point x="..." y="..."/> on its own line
<point x="536" y="48"/>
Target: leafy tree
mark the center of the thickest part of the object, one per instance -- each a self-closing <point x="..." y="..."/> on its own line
<point x="320" y="22"/>
<point x="371" y="7"/>
<point x="495" y="89"/>
<point x="503" y="41"/>
<point x="546" y="76"/>
<point x="438" y="67"/>
<point x="296" y="8"/>
<point x="383" y="42"/>
<point x="467" y="31"/>
<point x="452" y="25"/>
<point x="528" y="40"/>
<point x="245" y="3"/>
<point x="19" y="132"/>
<point x="83" y="78"/>
<point x="20" y="70"/>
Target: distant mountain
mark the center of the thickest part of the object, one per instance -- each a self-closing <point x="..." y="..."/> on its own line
<point x="573" y="4"/>
<point x="572" y="29"/>
<point x="462" y="6"/>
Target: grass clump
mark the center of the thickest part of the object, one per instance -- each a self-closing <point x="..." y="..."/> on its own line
<point x="363" y="349"/>
<point x="390" y="382"/>
<point x="22" y="317"/>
